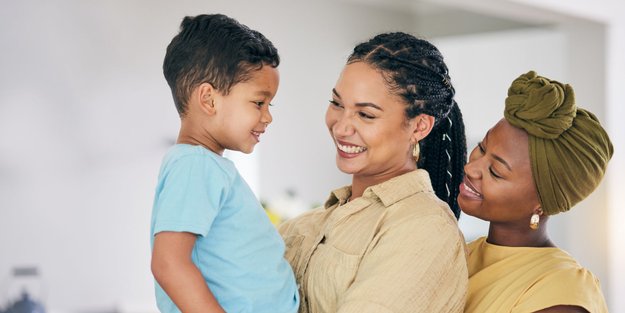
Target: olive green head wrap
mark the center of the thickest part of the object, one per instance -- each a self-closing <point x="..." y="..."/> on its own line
<point x="569" y="150"/>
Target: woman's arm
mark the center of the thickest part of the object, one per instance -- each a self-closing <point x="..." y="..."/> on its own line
<point x="563" y="309"/>
<point x="177" y="274"/>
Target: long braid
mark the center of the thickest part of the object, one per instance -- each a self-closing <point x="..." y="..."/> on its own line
<point x="414" y="69"/>
<point x="443" y="155"/>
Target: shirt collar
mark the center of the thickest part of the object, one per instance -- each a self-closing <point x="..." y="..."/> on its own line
<point x="390" y="191"/>
<point x="338" y="195"/>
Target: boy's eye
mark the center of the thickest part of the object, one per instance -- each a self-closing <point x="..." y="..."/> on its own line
<point x="259" y="103"/>
<point x="479" y="145"/>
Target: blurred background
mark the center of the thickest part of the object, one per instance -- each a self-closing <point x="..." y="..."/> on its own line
<point x="86" y="116"/>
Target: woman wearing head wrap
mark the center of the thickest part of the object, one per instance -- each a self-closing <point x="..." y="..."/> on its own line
<point x="545" y="156"/>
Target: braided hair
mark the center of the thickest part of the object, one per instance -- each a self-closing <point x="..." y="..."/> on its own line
<point x="414" y="70"/>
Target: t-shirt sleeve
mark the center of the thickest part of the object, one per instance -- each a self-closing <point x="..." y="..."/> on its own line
<point x="416" y="266"/>
<point x="566" y="286"/>
<point x="190" y="197"/>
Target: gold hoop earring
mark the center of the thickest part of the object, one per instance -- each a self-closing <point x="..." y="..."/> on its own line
<point x="415" y="152"/>
<point x="534" y="221"/>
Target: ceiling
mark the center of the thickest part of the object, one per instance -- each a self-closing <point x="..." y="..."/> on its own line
<point x="433" y="19"/>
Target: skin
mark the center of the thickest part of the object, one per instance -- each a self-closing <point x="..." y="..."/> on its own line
<point x="217" y="121"/>
<point x="177" y="274"/>
<point x="499" y="188"/>
<point x="232" y="121"/>
<point x="367" y="118"/>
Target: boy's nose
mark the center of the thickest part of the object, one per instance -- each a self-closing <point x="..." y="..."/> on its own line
<point x="266" y="118"/>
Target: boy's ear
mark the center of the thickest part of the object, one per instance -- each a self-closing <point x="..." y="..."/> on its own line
<point x="206" y="98"/>
<point x="422" y="125"/>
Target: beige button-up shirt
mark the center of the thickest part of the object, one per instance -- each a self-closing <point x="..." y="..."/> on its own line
<point x="395" y="249"/>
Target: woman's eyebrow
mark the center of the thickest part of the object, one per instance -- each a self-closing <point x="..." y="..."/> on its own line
<point x="502" y="161"/>
<point x="359" y="104"/>
<point x="496" y="157"/>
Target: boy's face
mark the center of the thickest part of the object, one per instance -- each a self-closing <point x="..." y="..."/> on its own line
<point x="243" y="115"/>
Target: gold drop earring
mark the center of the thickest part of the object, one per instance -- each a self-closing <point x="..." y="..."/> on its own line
<point x="534" y="220"/>
<point x="415" y="152"/>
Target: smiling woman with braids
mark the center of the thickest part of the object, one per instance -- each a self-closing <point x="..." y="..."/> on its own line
<point x="387" y="242"/>
<point x="545" y="156"/>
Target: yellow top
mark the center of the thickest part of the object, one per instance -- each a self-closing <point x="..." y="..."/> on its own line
<point x="524" y="279"/>
<point x="395" y="249"/>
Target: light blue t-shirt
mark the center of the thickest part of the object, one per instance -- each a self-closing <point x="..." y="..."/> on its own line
<point x="238" y="250"/>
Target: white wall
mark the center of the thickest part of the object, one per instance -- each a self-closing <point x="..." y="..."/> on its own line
<point x="616" y="197"/>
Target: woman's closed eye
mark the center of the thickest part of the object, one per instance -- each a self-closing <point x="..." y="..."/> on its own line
<point x="366" y="115"/>
<point x="335" y="104"/>
<point x="479" y="145"/>
<point x="493" y="173"/>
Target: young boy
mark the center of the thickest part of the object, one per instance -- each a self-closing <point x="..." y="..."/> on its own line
<point x="213" y="247"/>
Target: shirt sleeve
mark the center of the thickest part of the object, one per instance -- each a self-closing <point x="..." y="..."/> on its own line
<point x="190" y="197"/>
<point x="415" y="266"/>
<point x="566" y="286"/>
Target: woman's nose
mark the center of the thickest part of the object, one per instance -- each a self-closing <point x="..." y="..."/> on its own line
<point x="471" y="169"/>
<point x="343" y="126"/>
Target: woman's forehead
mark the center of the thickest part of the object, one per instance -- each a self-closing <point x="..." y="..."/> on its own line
<point x="508" y="142"/>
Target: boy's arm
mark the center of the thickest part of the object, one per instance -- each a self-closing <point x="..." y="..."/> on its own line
<point x="177" y="274"/>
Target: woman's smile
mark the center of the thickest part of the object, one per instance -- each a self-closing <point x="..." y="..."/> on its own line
<point x="467" y="190"/>
<point x="348" y="150"/>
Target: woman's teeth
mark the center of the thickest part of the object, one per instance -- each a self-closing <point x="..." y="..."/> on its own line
<point x="351" y="149"/>
<point x="471" y="191"/>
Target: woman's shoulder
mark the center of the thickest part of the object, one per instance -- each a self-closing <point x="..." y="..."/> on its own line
<point x="565" y="282"/>
<point x="422" y="217"/>
<point x="475" y="245"/>
<point x="542" y="277"/>
<point x="550" y="260"/>
<point x="304" y="221"/>
<point x="419" y="207"/>
<point x="565" y="271"/>
<point x="551" y="268"/>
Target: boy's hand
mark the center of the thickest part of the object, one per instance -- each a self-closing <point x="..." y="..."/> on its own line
<point x="177" y="274"/>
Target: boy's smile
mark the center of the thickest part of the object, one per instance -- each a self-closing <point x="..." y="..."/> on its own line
<point x="233" y="121"/>
<point x="242" y="115"/>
